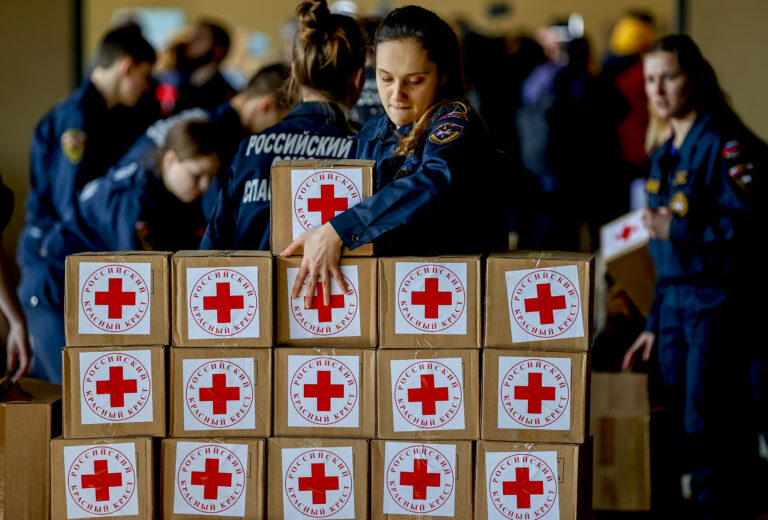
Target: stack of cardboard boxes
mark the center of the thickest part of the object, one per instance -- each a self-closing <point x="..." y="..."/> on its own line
<point x="534" y="455"/>
<point x="368" y="406"/>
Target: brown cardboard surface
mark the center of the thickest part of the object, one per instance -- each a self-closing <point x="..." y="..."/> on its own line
<point x="282" y="203"/>
<point x="362" y="392"/>
<point x="144" y="482"/>
<point x="255" y="485"/>
<point x="628" y="260"/>
<point x="160" y="300"/>
<point x="497" y="304"/>
<point x="462" y="488"/>
<point x="470" y="363"/>
<point x="28" y="420"/>
<point x="366" y="308"/>
<point x="262" y="391"/>
<point x="578" y="402"/>
<point x="620" y="423"/>
<point x="73" y="385"/>
<point x="275" y="481"/>
<point x="388" y="307"/>
<point x="573" y="472"/>
<point x="229" y="260"/>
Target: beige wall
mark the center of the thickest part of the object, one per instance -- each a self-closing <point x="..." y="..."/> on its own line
<point x="733" y="38"/>
<point x="35" y="60"/>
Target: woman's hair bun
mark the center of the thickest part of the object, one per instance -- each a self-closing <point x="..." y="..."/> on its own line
<point x="313" y="16"/>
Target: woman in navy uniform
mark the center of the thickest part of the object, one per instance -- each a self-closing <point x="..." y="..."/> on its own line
<point x="703" y="219"/>
<point x="437" y="185"/>
<point x="328" y="60"/>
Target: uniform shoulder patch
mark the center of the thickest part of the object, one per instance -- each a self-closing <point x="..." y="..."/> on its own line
<point x="731" y="150"/>
<point x="652" y="186"/>
<point x="73" y="145"/>
<point x="446" y="132"/>
<point x="742" y="174"/>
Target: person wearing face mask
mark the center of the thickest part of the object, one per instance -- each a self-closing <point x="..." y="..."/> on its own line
<point x="704" y="213"/>
<point x="437" y="186"/>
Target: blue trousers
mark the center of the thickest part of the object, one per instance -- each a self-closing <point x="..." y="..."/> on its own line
<point x="46" y="329"/>
<point x="706" y="352"/>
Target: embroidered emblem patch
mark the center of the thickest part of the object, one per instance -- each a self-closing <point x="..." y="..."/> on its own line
<point x="680" y="178"/>
<point x="679" y="204"/>
<point x="446" y="132"/>
<point x="742" y="174"/>
<point x="731" y="150"/>
<point x="73" y="145"/>
<point x="652" y="186"/>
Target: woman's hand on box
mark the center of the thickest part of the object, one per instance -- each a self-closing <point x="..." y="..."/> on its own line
<point x="322" y="251"/>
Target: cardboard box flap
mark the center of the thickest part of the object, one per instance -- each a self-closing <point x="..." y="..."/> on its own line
<point x="227" y="253"/>
<point x="545" y="255"/>
<point x="30" y="390"/>
<point x="623" y="394"/>
<point x="325" y="163"/>
<point x="120" y="254"/>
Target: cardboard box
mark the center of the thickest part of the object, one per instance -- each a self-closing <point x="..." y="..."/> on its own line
<point x="221" y="477"/>
<point x="430" y="302"/>
<point x="429" y="394"/>
<point x="413" y="480"/>
<point x="535" y="481"/>
<point x="325" y="393"/>
<point x="222" y="299"/>
<point x="620" y="423"/>
<point x="535" y="397"/>
<point x="30" y="415"/>
<point x="349" y="321"/>
<point x="539" y="300"/>
<point x="624" y="245"/>
<point x="308" y="193"/>
<point x="101" y="478"/>
<point x="317" y="478"/>
<point x="221" y="392"/>
<point x="114" y="392"/>
<point x="117" y="298"/>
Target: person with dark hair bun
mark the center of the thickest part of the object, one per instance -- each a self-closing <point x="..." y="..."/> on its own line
<point x="327" y="72"/>
<point x="704" y="212"/>
<point x="437" y="183"/>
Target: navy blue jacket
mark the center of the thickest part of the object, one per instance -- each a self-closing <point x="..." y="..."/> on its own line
<point x="711" y="185"/>
<point x="313" y="130"/>
<point x="443" y="199"/>
<point x="76" y="142"/>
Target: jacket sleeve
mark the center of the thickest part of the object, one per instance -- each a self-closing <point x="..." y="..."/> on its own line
<point x="402" y="200"/>
<point x="220" y="233"/>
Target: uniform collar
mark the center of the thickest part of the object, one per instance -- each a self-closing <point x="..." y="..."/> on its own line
<point x="380" y="127"/>
<point x="689" y="143"/>
<point x="332" y="113"/>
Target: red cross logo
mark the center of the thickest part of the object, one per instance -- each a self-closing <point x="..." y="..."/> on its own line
<point x="420" y="479"/>
<point x="431" y="298"/>
<point x="545" y="304"/>
<point x="101" y="480"/>
<point x="318" y="483"/>
<point x="327" y="204"/>
<point x="219" y="394"/>
<point x="324" y="391"/>
<point x="428" y="395"/>
<point x="116" y="387"/>
<point x="626" y="232"/>
<point x="325" y="312"/>
<point x="523" y="488"/>
<point x="114" y="298"/>
<point x="211" y="479"/>
<point x="534" y="393"/>
<point x="223" y="303"/>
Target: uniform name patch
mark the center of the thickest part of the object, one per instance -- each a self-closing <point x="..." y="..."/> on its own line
<point x="446" y="132"/>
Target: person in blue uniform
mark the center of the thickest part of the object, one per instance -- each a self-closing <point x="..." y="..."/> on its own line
<point x="703" y="219"/>
<point x="152" y="206"/>
<point x="327" y="68"/>
<point x="76" y="142"/>
<point x="263" y="103"/>
<point x="18" y="353"/>
<point x="437" y="185"/>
